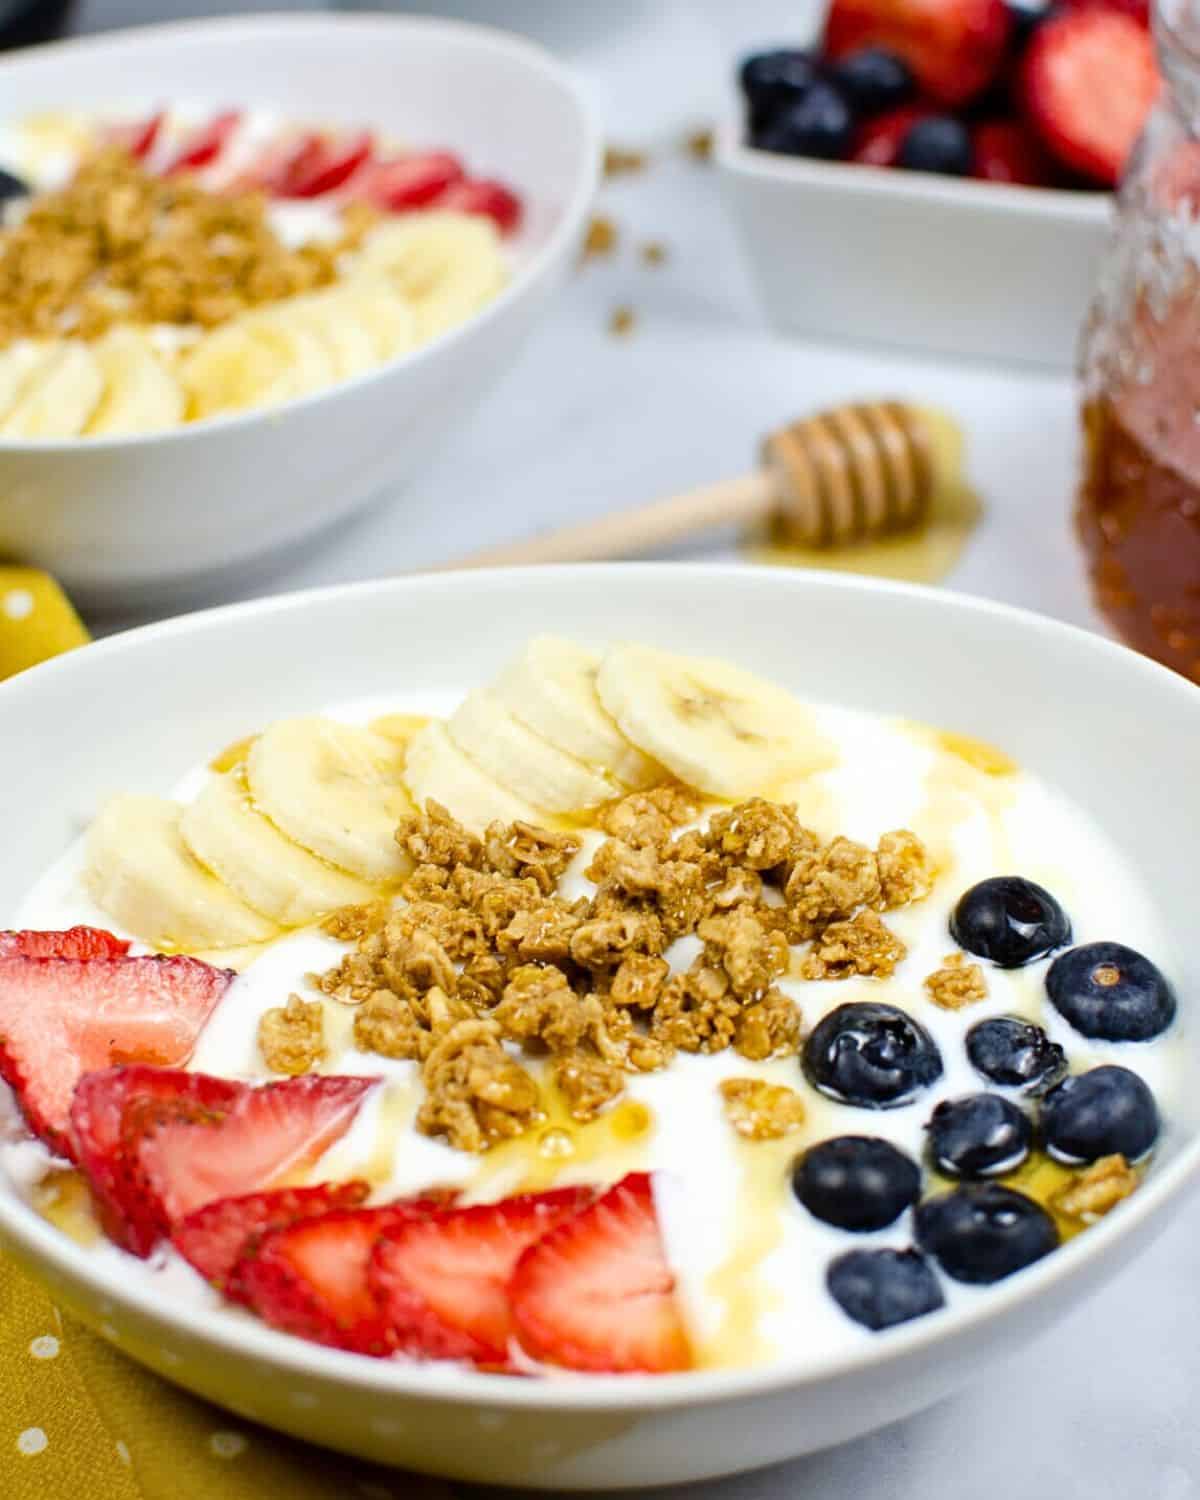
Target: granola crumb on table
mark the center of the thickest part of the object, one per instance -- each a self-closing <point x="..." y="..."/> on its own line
<point x="1096" y="1189"/>
<point x="761" y="1111"/>
<point x="291" y="1037"/>
<point x="484" y="962"/>
<point x="957" y="983"/>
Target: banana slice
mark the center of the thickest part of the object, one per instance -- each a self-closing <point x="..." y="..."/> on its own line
<point x="371" y="301"/>
<point x="327" y="317"/>
<point x="19" y="363"/>
<point x="718" y="728"/>
<point x="447" y="264"/>
<point x="269" y="872"/>
<point x="140" y="393"/>
<point x="59" y="396"/>
<point x="551" y="688"/>
<point x="139" y="870"/>
<point x="335" y="789"/>
<point x="255" y="360"/>
<point x="523" y="762"/>
<point x="437" y="768"/>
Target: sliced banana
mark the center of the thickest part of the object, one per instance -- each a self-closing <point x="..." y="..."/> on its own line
<point x="328" y="317"/>
<point x="268" y="871"/>
<point x="138" y="869"/>
<point x="59" y="396"/>
<point x="256" y="360"/>
<point x="140" y="392"/>
<point x="551" y="688"/>
<point x="522" y="761"/>
<point x="370" y="300"/>
<point x="447" y="264"/>
<point x="718" y="728"/>
<point x="18" y="365"/>
<point x="437" y="768"/>
<point x="335" y="789"/>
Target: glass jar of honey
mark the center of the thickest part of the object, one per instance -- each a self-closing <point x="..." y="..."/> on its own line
<point x="1138" y="509"/>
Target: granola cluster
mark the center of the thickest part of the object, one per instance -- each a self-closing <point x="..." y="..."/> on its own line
<point x="486" y="951"/>
<point x="117" y="244"/>
<point x="956" y="984"/>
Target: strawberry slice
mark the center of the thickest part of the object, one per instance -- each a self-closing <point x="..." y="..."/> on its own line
<point x="214" y="1238"/>
<point x="955" y="48"/>
<point x="74" y="942"/>
<point x="204" y="146"/>
<point x="320" y="165"/>
<point x="442" y="1281"/>
<point x="137" y="138"/>
<point x="1005" y="151"/>
<point x="310" y="1278"/>
<point x="157" y="1144"/>
<point x="596" y="1293"/>
<point x="482" y="195"/>
<point x="1089" y="80"/>
<point x="403" y="182"/>
<point x="878" y="141"/>
<point x="63" y="1017"/>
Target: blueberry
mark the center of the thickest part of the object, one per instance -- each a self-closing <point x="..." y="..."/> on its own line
<point x="872" y="1055"/>
<point x="1015" y="1054"/>
<point x="1108" y="991"/>
<point x="982" y="1232"/>
<point x="979" y="1135"/>
<point x="820" y="124"/>
<point x="12" y="187"/>
<point x="1102" y="1112"/>
<point x="1009" y="920"/>
<point x="771" y="81"/>
<point x="856" y="1182"/>
<point x="880" y="1288"/>
<point x="938" y="143"/>
<point x="873" y="80"/>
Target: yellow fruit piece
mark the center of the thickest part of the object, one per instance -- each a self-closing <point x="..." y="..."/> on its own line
<point x="37" y="620"/>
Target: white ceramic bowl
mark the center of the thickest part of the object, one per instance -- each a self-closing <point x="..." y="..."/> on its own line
<point x="1116" y="731"/>
<point x="981" y="269"/>
<point x="135" y="521"/>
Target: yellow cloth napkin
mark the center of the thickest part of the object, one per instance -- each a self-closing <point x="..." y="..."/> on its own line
<point x="37" y="620"/>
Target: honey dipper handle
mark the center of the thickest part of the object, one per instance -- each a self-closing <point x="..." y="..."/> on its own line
<point x="632" y="532"/>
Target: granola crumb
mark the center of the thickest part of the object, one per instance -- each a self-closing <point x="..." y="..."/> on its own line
<point x="906" y="871"/>
<point x="653" y="253"/>
<point x="587" y="1083"/>
<point x="622" y="321"/>
<point x="435" y="837"/>
<point x="389" y="1025"/>
<point x="768" y="1028"/>
<point x="475" y="1093"/>
<point x="957" y="983"/>
<point x="863" y="945"/>
<point x="830" y="885"/>
<point x="761" y="1111"/>
<point x="700" y="144"/>
<point x="621" y="159"/>
<point x="601" y="238"/>
<point x="1096" y="1189"/>
<point x="291" y="1037"/>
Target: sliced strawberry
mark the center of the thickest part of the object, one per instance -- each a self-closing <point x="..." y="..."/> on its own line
<point x="310" y="1278"/>
<point x="481" y="195"/>
<point x="214" y="1238"/>
<point x="955" y="48"/>
<point x="204" y="145"/>
<point x="1139" y="10"/>
<point x="137" y="138"/>
<point x="878" y="141"/>
<point x="404" y="182"/>
<point x="160" y="1144"/>
<point x="596" y="1293"/>
<point x="320" y="165"/>
<point x="1089" y="80"/>
<point x="442" y="1281"/>
<point x="74" y="942"/>
<point x="63" y="1017"/>
<point x="1005" y="151"/>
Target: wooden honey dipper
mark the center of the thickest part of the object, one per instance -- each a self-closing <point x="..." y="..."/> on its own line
<point x="846" y="475"/>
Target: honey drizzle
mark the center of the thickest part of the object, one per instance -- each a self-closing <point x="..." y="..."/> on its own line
<point x="63" y="1199"/>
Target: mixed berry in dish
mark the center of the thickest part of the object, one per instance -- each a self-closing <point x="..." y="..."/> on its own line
<point x="609" y="1024"/>
<point x="1044" y="96"/>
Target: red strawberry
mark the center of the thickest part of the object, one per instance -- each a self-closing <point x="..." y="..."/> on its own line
<point x="63" y="1017"/>
<point x="204" y="145"/>
<point x="1089" y="79"/>
<point x="158" y="1144"/>
<point x="480" y="195"/>
<point x="310" y="1278"/>
<point x="1005" y="151"/>
<point x="1138" y="9"/>
<point x="597" y="1293"/>
<point x="955" y="48"/>
<point x="878" y="141"/>
<point x="138" y="138"/>
<point x="441" y="1281"/>
<point x="75" y="942"/>
<point x="406" y="181"/>
<point x="320" y="165"/>
<point x="216" y="1236"/>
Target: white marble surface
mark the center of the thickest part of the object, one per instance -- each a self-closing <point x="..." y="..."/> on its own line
<point x="1103" y="1407"/>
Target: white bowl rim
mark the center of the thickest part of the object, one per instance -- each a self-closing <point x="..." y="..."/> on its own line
<point x="386" y="26"/>
<point x="565" y="1391"/>
<point x="1076" y="205"/>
